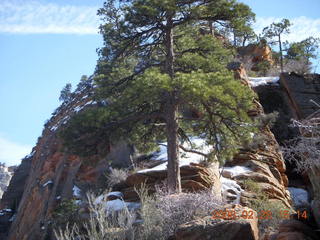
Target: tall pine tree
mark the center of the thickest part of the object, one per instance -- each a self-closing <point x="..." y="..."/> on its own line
<point x="163" y="76"/>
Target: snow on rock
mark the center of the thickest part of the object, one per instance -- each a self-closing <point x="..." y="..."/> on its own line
<point x="5" y="177"/>
<point x="117" y="205"/>
<point x="186" y="158"/>
<point x="116" y="194"/>
<point x="161" y="154"/>
<point x="299" y="196"/>
<point x="80" y="107"/>
<point x="258" y="81"/>
<point x="54" y="127"/>
<point x="230" y="189"/>
<point x="231" y="172"/>
<point x="5" y="211"/>
<point x="47" y="183"/>
<point x="31" y="154"/>
<point x="76" y="191"/>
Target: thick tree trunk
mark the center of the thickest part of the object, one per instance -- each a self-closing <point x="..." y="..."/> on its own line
<point x="174" y="182"/>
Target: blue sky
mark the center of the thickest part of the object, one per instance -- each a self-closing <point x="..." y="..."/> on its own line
<point x="46" y="44"/>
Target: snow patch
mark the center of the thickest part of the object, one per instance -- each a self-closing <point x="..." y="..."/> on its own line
<point x="117" y="205"/>
<point x="230" y="189"/>
<point x="299" y="196"/>
<point x="234" y="171"/>
<point x="4" y="211"/>
<point x="259" y="81"/>
<point x="186" y="158"/>
<point x="31" y="154"/>
<point x="76" y="191"/>
<point x="47" y="183"/>
<point x="116" y="194"/>
<point x="54" y="127"/>
<point x="80" y="107"/>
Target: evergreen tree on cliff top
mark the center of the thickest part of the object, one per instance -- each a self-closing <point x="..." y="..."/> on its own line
<point x="163" y="79"/>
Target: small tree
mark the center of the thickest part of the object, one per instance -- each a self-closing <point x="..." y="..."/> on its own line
<point x="305" y="49"/>
<point x="299" y="55"/>
<point x="65" y="94"/>
<point x="85" y="82"/>
<point x="276" y="30"/>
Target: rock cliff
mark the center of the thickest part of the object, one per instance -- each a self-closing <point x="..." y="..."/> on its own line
<point x="5" y="177"/>
<point x="49" y="175"/>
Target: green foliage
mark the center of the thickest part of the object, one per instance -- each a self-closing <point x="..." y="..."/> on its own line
<point x="305" y="49"/>
<point x="263" y="67"/>
<point x="264" y="120"/>
<point x="276" y="30"/>
<point x="85" y="82"/>
<point x="65" y="213"/>
<point x="65" y="94"/>
<point x="270" y="213"/>
<point x="134" y="81"/>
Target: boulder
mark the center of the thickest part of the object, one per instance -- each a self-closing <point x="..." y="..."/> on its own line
<point x="292" y="229"/>
<point x="219" y="229"/>
<point x="194" y="177"/>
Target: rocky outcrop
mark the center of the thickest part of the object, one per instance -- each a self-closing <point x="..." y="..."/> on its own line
<point x="49" y="175"/>
<point x="295" y="97"/>
<point x="265" y="164"/>
<point x="293" y="230"/>
<point x="194" y="177"/>
<point x="303" y="93"/>
<point x="220" y="229"/>
<point x="256" y="53"/>
<point x="5" y="177"/>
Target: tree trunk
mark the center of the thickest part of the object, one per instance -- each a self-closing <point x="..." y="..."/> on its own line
<point x="281" y="56"/>
<point x="174" y="182"/>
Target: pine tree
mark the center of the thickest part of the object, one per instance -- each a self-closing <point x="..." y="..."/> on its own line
<point x="276" y="30"/>
<point x="65" y="94"/>
<point x="155" y="66"/>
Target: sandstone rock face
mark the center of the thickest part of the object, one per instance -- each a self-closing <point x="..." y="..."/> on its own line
<point x="300" y="90"/>
<point x="5" y="177"/>
<point x="48" y="176"/>
<point x="264" y="165"/>
<point x="294" y="230"/>
<point x="257" y="53"/>
<point x="194" y="177"/>
<point x="219" y="229"/>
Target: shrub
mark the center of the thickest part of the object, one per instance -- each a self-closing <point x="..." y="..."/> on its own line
<point x="116" y="176"/>
<point x="263" y="206"/>
<point x="100" y="224"/>
<point x="65" y="213"/>
<point x="160" y="215"/>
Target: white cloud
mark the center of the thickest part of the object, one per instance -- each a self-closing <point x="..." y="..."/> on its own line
<point x="11" y="153"/>
<point x="302" y="27"/>
<point x="35" y="17"/>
